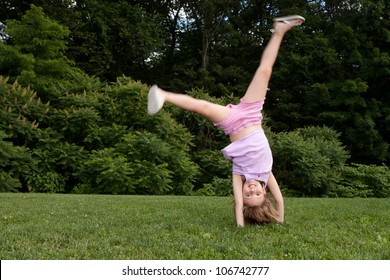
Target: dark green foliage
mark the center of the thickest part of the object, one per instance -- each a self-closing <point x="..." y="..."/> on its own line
<point x="140" y="163"/>
<point x="215" y="173"/>
<point x="307" y="161"/>
<point x="360" y="180"/>
<point x="159" y="167"/>
<point x="47" y="182"/>
<point x="75" y="151"/>
<point x="331" y="75"/>
<point x="104" y="136"/>
<point x="21" y="111"/>
<point x="12" y="161"/>
<point x="64" y="131"/>
<point x="35" y="55"/>
<point x="57" y="159"/>
<point x="107" y="172"/>
<point x="332" y="71"/>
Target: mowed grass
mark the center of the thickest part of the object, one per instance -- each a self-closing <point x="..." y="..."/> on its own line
<point x="99" y="227"/>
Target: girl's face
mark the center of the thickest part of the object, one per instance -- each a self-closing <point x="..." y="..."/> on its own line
<point x="253" y="193"/>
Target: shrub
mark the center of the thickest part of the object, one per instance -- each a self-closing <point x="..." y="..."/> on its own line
<point x="155" y="179"/>
<point x="106" y="172"/>
<point x="215" y="173"/>
<point x="8" y="183"/>
<point x="128" y="108"/>
<point x="358" y="180"/>
<point x="308" y="160"/>
<point x="104" y="136"/>
<point x="168" y="169"/>
<point x="328" y="143"/>
<point x="75" y="123"/>
<point x="9" y="154"/>
<point x="217" y="187"/>
<point x="21" y="112"/>
<point x="52" y="154"/>
<point x="48" y="182"/>
<point x="140" y="163"/>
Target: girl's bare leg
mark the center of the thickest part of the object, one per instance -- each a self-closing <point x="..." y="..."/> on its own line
<point x="213" y="112"/>
<point x="257" y="89"/>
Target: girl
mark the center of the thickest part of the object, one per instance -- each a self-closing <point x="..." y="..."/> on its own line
<point x="249" y="150"/>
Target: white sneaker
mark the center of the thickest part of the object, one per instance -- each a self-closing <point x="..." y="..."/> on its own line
<point x="288" y="19"/>
<point x="155" y="100"/>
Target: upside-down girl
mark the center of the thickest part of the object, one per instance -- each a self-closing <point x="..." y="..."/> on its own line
<point x="249" y="149"/>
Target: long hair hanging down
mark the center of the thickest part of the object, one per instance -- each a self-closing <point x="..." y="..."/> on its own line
<point x="263" y="214"/>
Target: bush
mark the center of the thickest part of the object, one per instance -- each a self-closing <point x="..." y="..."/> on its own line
<point x="215" y="173"/>
<point x="9" y="181"/>
<point x="140" y="163"/>
<point x="106" y="172"/>
<point x="358" y="180"/>
<point x="159" y="167"/>
<point x="308" y="160"/>
<point x="216" y="187"/>
<point x="48" y="182"/>
<point x="55" y="155"/>
<point x="328" y="143"/>
<point x="21" y="112"/>
<point x="104" y="136"/>
<point x="312" y="162"/>
<point x="155" y="179"/>
<point x="14" y="163"/>
<point x="75" y="123"/>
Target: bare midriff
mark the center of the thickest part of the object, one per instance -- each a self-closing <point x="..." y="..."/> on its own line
<point x="244" y="132"/>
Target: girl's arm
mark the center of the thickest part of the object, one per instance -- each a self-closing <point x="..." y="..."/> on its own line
<point x="238" y="200"/>
<point x="277" y="194"/>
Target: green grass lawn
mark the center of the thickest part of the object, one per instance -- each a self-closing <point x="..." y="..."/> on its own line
<point x="44" y="226"/>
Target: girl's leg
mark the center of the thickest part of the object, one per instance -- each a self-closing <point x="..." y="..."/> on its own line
<point x="258" y="87"/>
<point x="213" y="112"/>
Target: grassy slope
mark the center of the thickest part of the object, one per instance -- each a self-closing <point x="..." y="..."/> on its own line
<point x="42" y="226"/>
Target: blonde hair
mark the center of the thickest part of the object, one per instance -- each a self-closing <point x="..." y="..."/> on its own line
<point x="263" y="214"/>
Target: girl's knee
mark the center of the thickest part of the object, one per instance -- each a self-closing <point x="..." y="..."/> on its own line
<point x="265" y="71"/>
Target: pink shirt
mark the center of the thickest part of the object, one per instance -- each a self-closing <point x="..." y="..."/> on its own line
<point x="251" y="156"/>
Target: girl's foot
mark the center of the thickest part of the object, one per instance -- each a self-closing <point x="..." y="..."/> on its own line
<point x="283" y="24"/>
<point x="155" y="100"/>
<point x="287" y="19"/>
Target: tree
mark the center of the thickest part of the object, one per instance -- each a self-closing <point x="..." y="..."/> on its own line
<point x="331" y="71"/>
<point x="328" y="77"/>
<point x="35" y="53"/>
<point x="111" y="38"/>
